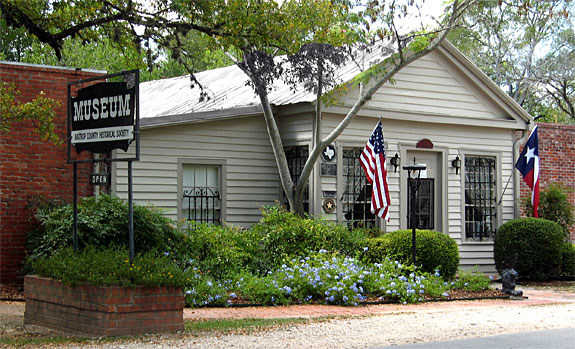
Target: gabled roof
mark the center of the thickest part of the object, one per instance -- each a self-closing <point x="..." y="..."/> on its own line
<point x="171" y="101"/>
<point x="228" y="90"/>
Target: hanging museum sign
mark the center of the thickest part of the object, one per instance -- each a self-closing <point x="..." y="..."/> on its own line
<point x="102" y="117"/>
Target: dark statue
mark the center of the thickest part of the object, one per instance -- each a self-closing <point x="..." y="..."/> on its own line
<point x="508" y="277"/>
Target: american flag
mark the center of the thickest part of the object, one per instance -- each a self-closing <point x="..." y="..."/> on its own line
<point x="373" y="162"/>
<point x="528" y="165"/>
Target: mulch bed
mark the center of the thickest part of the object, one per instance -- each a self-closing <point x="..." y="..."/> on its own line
<point x="15" y="292"/>
<point x="12" y="292"/>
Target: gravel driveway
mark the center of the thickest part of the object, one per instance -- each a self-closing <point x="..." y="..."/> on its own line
<point x="390" y="329"/>
<point x="399" y="325"/>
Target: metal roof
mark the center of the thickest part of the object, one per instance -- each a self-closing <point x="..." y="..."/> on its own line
<point x="227" y="89"/>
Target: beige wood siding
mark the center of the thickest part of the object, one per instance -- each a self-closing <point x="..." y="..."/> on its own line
<point x="251" y="178"/>
<point x="455" y="140"/>
<point x="435" y="86"/>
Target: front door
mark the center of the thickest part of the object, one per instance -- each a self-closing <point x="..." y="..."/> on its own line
<point x="428" y="201"/>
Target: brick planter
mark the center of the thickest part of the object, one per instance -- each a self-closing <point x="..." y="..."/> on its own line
<point x="102" y="311"/>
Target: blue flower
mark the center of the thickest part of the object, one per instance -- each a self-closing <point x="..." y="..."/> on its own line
<point x="322" y="251"/>
<point x="188" y="292"/>
<point x="209" y="283"/>
<point x="366" y="248"/>
<point x="233" y="295"/>
<point x="445" y="294"/>
<point x="166" y="253"/>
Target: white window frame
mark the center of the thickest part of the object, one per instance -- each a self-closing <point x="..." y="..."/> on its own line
<point x="497" y="222"/>
<point x="221" y="164"/>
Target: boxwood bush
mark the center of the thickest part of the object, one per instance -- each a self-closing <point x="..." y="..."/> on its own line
<point x="538" y="244"/>
<point x="102" y="222"/>
<point x="434" y="250"/>
<point x="568" y="260"/>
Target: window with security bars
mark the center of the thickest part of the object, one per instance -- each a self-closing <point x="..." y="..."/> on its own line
<point x="356" y="199"/>
<point x="296" y="158"/>
<point x="423" y="204"/>
<point x="201" y="199"/>
<point x="480" y="197"/>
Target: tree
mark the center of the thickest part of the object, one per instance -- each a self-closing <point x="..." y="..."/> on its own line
<point x="556" y="74"/>
<point x="510" y="40"/>
<point x="40" y="110"/>
<point x="253" y="34"/>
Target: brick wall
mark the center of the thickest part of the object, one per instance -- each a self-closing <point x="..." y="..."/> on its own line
<point x="557" y="159"/>
<point x="103" y="311"/>
<point x="31" y="169"/>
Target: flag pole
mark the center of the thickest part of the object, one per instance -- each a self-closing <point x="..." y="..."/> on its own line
<point x="501" y="198"/>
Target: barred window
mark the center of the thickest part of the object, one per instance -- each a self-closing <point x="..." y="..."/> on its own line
<point x="480" y="197"/>
<point x="296" y="158"/>
<point x="356" y="199"/>
<point x="201" y="199"/>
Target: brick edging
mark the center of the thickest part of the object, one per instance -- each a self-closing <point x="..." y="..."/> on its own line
<point x="102" y="311"/>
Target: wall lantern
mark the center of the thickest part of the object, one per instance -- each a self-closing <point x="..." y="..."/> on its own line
<point x="414" y="172"/>
<point x="456" y="163"/>
<point x="395" y="162"/>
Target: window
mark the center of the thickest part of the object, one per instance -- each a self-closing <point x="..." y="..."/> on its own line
<point x="201" y="199"/>
<point x="296" y="158"/>
<point x="356" y="199"/>
<point x="480" y="198"/>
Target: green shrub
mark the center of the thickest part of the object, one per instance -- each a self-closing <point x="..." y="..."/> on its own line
<point x="537" y="242"/>
<point x="554" y="206"/>
<point x="568" y="260"/>
<point x="110" y="267"/>
<point x="284" y="235"/>
<point x="218" y="251"/>
<point x="434" y="250"/>
<point x="102" y="222"/>
<point x="376" y="250"/>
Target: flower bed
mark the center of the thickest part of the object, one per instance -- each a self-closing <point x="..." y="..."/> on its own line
<point x="102" y="311"/>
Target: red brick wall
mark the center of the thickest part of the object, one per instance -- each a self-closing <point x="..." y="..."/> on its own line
<point x="103" y="311"/>
<point x="31" y="169"/>
<point x="557" y="159"/>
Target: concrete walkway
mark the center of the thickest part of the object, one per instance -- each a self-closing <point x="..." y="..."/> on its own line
<point x="533" y="297"/>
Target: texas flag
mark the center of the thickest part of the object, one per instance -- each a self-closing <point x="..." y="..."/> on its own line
<point x="528" y="165"/>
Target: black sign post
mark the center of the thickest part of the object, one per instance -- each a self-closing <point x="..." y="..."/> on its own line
<point x="103" y="117"/>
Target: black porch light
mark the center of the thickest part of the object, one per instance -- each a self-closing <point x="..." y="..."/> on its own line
<point x="414" y="172"/>
<point x="456" y="163"/>
<point x="395" y="162"/>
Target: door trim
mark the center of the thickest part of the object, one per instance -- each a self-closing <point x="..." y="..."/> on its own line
<point x="442" y="182"/>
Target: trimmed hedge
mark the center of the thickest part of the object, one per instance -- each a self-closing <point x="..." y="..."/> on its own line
<point x="433" y="250"/>
<point x="538" y="244"/>
<point x="568" y="260"/>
